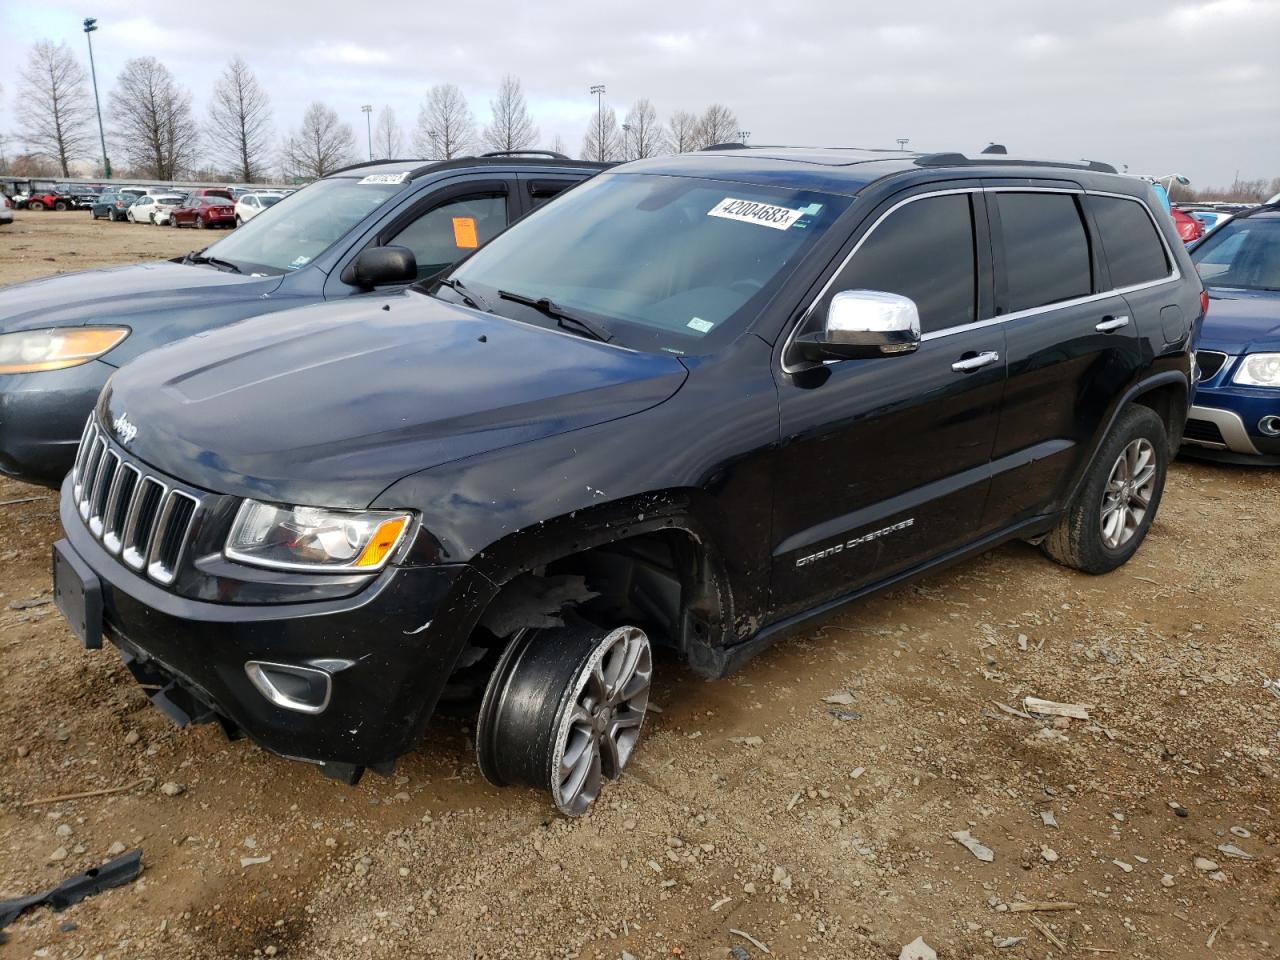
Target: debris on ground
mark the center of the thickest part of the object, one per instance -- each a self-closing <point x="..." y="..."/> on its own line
<point x="917" y="949"/>
<point x="750" y="939"/>
<point x="845" y="714"/>
<point x="1273" y="686"/>
<point x="114" y="873"/>
<point x="841" y="699"/>
<point x="966" y="840"/>
<point x="1204" y="864"/>
<point x="1231" y="850"/>
<point x="1050" y="708"/>
<point x="1048" y="819"/>
<point x="1042" y="906"/>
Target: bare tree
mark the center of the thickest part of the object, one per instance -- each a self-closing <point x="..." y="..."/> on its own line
<point x="558" y="145"/>
<point x="643" y="135"/>
<point x="153" y="119"/>
<point x="446" y="127"/>
<point x="240" y="122"/>
<point x="321" y="145"/>
<point x="388" y="140"/>
<point x="682" y="131"/>
<point x="601" y="142"/>
<point x="54" y="106"/>
<point x="718" y="124"/>
<point x="511" y="128"/>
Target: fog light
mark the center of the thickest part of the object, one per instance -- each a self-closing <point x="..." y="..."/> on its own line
<point x="293" y="687"/>
<point x="1270" y="426"/>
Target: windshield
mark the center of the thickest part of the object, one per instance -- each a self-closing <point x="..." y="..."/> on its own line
<point x="1244" y="254"/>
<point x="290" y="235"/>
<point x="660" y="262"/>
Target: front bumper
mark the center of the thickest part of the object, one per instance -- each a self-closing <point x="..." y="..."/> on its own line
<point x="389" y="649"/>
<point x="1227" y="420"/>
<point x="42" y="416"/>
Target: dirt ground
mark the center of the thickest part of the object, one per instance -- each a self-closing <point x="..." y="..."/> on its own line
<point x="753" y="818"/>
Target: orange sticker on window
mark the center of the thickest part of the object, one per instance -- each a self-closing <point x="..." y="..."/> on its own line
<point x="464" y="233"/>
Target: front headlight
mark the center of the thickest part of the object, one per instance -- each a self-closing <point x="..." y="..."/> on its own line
<point x="312" y="538"/>
<point x="33" y="351"/>
<point x="1259" y="370"/>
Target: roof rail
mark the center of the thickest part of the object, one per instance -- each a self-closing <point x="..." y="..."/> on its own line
<point x="726" y="146"/>
<point x="991" y="160"/>
<point x="553" y="154"/>
<point x="375" y="163"/>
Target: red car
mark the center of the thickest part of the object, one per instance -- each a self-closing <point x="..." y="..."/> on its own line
<point x="1189" y="228"/>
<point x="201" y="212"/>
<point x="212" y="192"/>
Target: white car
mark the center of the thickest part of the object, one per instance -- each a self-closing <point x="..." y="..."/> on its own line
<point x="252" y="204"/>
<point x="152" y="210"/>
<point x="6" y="210"/>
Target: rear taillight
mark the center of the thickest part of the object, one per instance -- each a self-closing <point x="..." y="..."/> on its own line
<point x="1204" y="303"/>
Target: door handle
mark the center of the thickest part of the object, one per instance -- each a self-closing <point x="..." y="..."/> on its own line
<point x="969" y="364"/>
<point x="1111" y="323"/>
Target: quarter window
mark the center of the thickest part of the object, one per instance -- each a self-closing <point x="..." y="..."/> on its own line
<point x="1046" y="250"/>
<point x="925" y="251"/>
<point x="1134" y="251"/>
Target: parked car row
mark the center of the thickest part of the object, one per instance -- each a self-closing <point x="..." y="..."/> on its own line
<point x="205" y="207"/>
<point x="498" y="465"/>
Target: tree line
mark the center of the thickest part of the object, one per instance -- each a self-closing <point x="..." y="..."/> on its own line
<point x="153" y="125"/>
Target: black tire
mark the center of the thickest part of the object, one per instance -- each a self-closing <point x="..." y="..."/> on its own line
<point x="1083" y="538"/>
<point x="35" y="205"/>
<point x="545" y="721"/>
<point x="239" y="222"/>
<point x="199" y="224"/>
<point x="60" y="205"/>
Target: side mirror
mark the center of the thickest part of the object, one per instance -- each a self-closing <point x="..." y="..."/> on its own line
<point x="378" y="266"/>
<point x="861" y="324"/>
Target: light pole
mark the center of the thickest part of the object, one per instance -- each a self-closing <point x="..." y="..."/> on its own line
<point x="598" y="90"/>
<point x="626" y="141"/>
<point x="90" y="25"/>
<point x="367" y="109"/>
<point x="744" y="136"/>
<point x="902" y="142"/>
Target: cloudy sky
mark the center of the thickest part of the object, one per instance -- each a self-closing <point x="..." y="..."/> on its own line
<point x="1190" y="87"/>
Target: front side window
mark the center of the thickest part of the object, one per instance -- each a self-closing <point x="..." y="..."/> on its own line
<point x="447" y="233"/>
<point x="925" y="251"/>
<point x="1046" y="250"/>
<point x="662" y="262"/>
<point x="291" y="235"/>
<point x="1244" y="254"/>
<point x="1134" y="250"/>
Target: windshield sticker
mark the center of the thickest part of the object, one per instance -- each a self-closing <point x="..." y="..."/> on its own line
<point x="386" y="178"/>
<point x="748" y="211"/>
<point x="464" y="233"/>
<point x="702" y="326"/>
<point x="299" y="262"/>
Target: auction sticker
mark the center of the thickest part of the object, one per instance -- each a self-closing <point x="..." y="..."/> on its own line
<point x="387" y="178"/>
<point x="749" y="211"/>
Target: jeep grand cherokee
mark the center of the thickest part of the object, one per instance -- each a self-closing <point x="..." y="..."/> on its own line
<point x="694" y="403"/>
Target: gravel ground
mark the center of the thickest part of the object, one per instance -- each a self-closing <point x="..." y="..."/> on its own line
<point x="756" y="815"/>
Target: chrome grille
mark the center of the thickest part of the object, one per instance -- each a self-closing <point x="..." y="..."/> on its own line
<point x="140" y="517"/>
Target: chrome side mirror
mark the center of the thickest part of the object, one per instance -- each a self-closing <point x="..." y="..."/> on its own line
<point x="861" y="324"/>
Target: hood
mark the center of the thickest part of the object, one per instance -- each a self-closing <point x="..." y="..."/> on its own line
<point x="118" y="293"/>
<point x="328" y="405"/>
<point x="1241" y="321"/>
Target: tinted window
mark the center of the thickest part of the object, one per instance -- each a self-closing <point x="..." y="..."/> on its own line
<point x="452" y="230"/>
<point x="924" y="251"/>
<point x="1046" y="250"/>
<point x="1133" y="247"/>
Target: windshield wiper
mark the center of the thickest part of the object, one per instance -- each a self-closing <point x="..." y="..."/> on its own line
<point x="563" y="318"/>
<point x="194" y="257"/>
<point x="469" y="296"/>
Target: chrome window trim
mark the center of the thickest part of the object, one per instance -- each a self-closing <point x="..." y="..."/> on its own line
<point x="1174" y="275"/>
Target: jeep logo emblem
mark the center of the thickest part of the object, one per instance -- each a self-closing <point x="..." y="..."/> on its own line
<point x="125" y="430"/>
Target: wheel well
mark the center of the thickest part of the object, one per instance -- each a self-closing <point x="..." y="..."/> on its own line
<point x="662" y="581"/>
<point x="1169" y="401"/>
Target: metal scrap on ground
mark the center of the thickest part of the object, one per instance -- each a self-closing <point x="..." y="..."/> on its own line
<point x="114" y="873"/>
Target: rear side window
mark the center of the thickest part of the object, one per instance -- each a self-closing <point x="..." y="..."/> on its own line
<point x="1046" y="250"/>
<point x="925" y="251"/>
<point x="1134" y="251"/>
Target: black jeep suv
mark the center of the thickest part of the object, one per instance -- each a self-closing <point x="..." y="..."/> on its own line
<point x="366" y="228"/>
<point x="692" y="403"/>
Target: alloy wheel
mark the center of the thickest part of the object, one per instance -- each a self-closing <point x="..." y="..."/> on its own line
<point x="1127" y="495"/>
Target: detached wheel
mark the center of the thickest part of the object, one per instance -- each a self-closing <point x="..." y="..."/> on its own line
<point x="563" y="711"/>
<point x="1110" y="516"/>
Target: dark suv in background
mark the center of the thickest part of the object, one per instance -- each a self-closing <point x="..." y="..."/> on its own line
<point x="372" y="226"/>
<point x="692" y="404"/>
